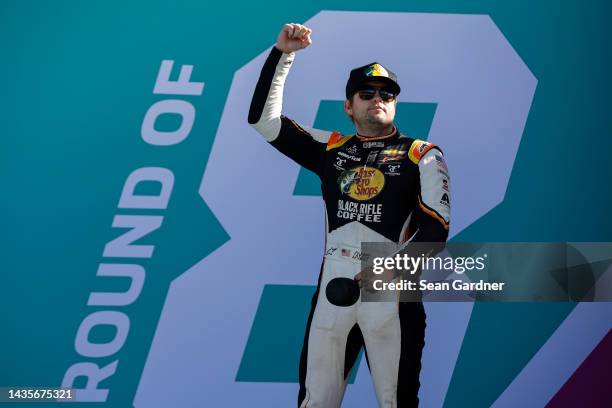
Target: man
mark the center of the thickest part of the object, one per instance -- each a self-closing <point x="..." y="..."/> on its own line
<point x="378" y="186"/>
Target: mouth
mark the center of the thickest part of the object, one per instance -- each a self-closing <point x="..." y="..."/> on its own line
<point x="377" y="109"/>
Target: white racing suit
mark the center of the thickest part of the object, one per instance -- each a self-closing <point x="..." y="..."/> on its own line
<point x="387" y="189"/>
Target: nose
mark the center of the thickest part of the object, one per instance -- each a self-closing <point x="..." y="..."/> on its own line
<point x="376" y="99"/>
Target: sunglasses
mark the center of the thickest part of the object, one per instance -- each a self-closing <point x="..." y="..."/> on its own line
<point x="368" y="93"/>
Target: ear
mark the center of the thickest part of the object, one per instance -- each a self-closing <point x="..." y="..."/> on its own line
<point x="347" y="108"/>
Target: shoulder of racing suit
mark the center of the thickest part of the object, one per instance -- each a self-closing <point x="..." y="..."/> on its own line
<point x="336" y="140"/>
<point x="419" y="148"/>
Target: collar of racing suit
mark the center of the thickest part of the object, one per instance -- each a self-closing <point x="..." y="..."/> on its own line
<point x="393" y="132"/>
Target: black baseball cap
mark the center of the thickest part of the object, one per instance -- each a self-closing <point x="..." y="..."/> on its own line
<point x="371" y="72"/>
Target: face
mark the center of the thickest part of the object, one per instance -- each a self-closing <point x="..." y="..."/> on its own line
<point x="371" y="114"/>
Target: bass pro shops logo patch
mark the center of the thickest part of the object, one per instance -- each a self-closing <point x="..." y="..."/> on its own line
<point x="361" y="183"/>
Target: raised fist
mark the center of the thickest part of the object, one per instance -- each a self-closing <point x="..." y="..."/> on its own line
<point x="293" y="37"/>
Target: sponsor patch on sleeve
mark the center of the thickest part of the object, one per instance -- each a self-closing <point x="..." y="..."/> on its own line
<point x="336" y="140"/>
<point x="417" y="150"/>
<point x="441" y="163"/>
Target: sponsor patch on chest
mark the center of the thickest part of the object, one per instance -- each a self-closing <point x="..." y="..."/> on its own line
<point x="392" y="154"/>
<point x="362" y="212"/>
<point x="393" y="169"/>
<point x="361" y="183"/>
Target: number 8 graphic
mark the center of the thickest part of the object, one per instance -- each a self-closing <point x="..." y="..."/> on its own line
<point x="483" y="91"/>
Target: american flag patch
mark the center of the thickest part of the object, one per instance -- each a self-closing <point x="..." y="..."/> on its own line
<point x="346" y="252"/>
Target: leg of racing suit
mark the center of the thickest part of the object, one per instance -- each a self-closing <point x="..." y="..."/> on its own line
<point x="324" y="382"/>
<point x="412" y="321"/>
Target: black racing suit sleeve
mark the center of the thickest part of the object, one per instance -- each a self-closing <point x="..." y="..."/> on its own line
<point x="298" y="144"/>
<point x="304" y="145"/>
<point x="430" y="230"/>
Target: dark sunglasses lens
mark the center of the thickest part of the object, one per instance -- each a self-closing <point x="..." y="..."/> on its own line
<point x="367" y="94"/>
<point x="386" y="95"/>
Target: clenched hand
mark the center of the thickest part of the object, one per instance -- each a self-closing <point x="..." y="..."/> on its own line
<point x="293" y="37"/>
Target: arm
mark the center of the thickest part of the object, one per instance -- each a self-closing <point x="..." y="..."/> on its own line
<point x="304" y="145"/>
<point x="432" y="215"/>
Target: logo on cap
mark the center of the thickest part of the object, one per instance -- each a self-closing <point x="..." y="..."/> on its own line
<point x="376" y="70"/>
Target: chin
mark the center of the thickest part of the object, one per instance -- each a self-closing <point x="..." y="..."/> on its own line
<point x="382" y="122"/>
<point x="379" y="119"/>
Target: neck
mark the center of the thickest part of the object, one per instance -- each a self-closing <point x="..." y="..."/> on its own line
<point x="379" y="133"/>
